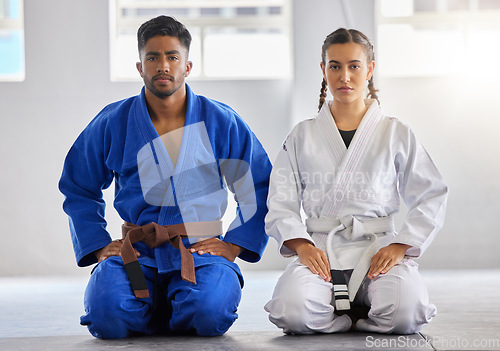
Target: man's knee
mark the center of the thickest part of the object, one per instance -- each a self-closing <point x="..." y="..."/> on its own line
<point x="105" y="316"/>
<point x="213" y="318"/>
<point x="106" y="325"/>
<point x="112" y="311"/>
<point x="207" y="317"/>
<point x="209" y="308"/>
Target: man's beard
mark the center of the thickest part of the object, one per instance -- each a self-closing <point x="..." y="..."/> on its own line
<point x="163" y="94"/>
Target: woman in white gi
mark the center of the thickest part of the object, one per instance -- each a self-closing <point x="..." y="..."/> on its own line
<point x="350" y="190"/>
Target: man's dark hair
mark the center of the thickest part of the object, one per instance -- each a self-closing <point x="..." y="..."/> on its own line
<point x="163" y="25"/>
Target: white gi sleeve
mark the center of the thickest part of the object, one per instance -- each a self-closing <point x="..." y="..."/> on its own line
<point x="424" y="192"/>
<point x="283" y="220"/>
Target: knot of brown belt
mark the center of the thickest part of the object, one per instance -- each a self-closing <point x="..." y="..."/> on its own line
<point x="153" y="235"/>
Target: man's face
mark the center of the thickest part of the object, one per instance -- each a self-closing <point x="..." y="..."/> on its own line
<point x="164" y="65"/>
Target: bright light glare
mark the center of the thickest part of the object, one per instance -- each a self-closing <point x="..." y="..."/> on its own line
<point x="397" y="8"/>
<point x="407" y="51"/>
<point x="483" y="49"/>
<point x="246" y="54"/>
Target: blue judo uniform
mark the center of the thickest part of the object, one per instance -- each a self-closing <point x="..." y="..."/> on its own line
<point x="218" y="151"/>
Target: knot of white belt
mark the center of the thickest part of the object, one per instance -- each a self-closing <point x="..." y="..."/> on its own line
<point x="351" y="228"/>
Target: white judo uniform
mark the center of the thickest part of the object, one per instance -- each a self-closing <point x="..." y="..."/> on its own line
<point x="349" y="196"/>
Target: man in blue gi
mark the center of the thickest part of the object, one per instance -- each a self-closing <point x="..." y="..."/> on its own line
<point x="172" y="155"/>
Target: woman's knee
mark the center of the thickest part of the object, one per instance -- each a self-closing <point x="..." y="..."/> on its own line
<point x="412" y="319"/>
<point x="406" y="315"/>
<point x="301" y="306"/>
<point x="288" y="312"/>
<point x="399" y="300"/>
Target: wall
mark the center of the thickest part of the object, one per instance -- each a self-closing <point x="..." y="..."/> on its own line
<point x="456" y="119"/>
<point x="67" y="83"/>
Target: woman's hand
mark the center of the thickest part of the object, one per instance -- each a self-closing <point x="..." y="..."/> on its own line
<point x="386" y="258"/>
<point x="112" y="249"/>
<point x="217" y="247"/>
<point x="315" y="259"/>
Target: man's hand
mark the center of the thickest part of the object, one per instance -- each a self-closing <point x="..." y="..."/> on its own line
<point x="386" y="258"/>
<point x="217" y="247"/>
<point x="112" y="249"/>
<point x="315" y="259"/>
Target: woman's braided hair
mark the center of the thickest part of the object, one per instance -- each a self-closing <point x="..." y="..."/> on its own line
<point x="343" y="36"/>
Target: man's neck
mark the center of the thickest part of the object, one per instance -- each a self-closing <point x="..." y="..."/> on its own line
<point x="167" y="113"/>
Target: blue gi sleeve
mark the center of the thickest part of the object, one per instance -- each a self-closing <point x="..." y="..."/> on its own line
<point x="246" y="172"/>
<point x="84" y="176"/>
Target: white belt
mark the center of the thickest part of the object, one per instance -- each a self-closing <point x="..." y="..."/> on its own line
<point x="350" y="228"/>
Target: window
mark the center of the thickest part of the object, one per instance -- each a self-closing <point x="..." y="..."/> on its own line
<point x="232" y="39"/>
<point x="437" y="37"/>
<point x="11" y="40"/>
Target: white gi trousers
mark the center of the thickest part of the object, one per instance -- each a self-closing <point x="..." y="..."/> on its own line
<point x="302" y="302"/>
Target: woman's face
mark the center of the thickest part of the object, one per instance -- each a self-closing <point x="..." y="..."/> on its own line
<point x="346" y="71"/>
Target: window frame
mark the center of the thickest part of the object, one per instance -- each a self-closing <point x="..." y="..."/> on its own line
<point x="465" y="21"/>
<point x="15" y="24"/>
<point x="281" y="22"/>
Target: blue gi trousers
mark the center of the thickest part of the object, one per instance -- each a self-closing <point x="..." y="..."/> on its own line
<point x="207" y="308"/>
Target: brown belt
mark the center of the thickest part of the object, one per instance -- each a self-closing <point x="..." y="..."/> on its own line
<point x="154" y="235"/>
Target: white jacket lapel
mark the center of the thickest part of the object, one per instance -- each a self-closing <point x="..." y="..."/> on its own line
<point x="350" y="159"/>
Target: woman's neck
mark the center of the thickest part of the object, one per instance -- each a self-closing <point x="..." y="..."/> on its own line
<point x="348" y="116"/>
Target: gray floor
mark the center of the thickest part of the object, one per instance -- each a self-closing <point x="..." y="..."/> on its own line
<point x="43" y="314"/>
